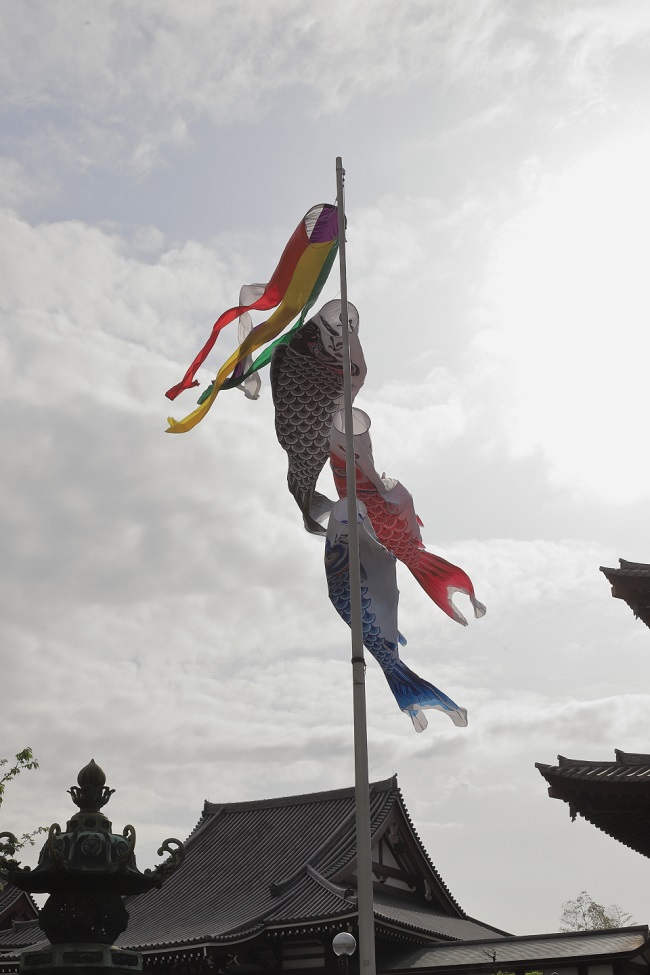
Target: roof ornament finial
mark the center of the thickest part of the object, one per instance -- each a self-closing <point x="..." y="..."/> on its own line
<point x="91" y="792"/>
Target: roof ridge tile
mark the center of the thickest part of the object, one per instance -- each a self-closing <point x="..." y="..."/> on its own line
<point x="307" y="798"/>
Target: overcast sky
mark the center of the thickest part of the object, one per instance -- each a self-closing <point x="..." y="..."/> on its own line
<point x="163" y="610"/>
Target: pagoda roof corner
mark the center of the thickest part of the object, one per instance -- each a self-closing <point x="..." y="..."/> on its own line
<point x="631" y="583"/>
<point x="613" y="796"/>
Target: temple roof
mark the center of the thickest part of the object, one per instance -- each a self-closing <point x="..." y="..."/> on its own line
<point x="286" y="866"/>
<point x="18" y="924"/>
<point x="631" y="582"/>
<point x="546" y="949"/>
<point x="17" y="908"/>
<point x="280" y="864"/>
<point x="614" y="796"/>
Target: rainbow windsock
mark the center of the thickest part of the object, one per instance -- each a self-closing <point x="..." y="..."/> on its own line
<point x="294" y="287"/>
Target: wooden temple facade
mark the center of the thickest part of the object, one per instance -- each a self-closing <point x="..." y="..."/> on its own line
<point x="267" y="884"/>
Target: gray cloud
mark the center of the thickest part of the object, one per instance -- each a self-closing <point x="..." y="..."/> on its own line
<point x="162" y="609"/>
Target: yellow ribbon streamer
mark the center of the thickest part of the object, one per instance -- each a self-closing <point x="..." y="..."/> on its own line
<point x="296" y="296"/>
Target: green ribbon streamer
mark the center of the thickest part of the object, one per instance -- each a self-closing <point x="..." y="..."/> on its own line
<point x="265" y="357"/>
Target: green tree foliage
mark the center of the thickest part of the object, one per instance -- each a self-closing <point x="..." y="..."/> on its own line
<point x="21" y="762"/>
<point x="584" y="914"/>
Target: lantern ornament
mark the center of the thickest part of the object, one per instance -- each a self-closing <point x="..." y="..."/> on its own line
<point x="87" y="870"/>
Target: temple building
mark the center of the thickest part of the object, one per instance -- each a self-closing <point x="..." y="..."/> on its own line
<point x="275" y="880"/>
<point x="631" y="583"/>
<point x="16" y="907"/>
<point x="267" y="884"/>
<point x="18" y="925"/>
<point x="614" y="796"/>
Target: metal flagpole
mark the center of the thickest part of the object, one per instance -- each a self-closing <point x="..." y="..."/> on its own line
<point x="361" y="784"/>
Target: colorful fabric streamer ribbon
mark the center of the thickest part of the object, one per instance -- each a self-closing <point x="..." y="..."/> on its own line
<point x="294" y="286"/>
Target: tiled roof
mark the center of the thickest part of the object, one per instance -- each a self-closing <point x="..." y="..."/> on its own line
<point x="14" y="934"/>
<point x="21" y="935"/>
<point x="10" y="896"/>
<point x="543" y="948"/>
<point x="418" y="917"/>
<point x="631" y="582"/>
<point x="243" y="864"/>
<point x="451" y="902"/>
<point x="391" y="911"/>
<point x="276" y="863"/>
<point x="614" y="796"/>
<point x="627" y="765"/>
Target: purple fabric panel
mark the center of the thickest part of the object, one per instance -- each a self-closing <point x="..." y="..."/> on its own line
<point x="327" y="225"/>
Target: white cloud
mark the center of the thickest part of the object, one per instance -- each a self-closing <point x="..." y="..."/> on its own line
<point x="162" y="608"/>
<point x="566" y="292"/>
<point x="589" y="35"/>
<point x="128" y="81"/>
<point x="19" y="187"/>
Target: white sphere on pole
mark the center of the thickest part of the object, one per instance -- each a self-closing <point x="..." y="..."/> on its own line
<point x="344" y="943"/>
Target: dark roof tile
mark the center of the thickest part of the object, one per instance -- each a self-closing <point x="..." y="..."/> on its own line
<point x="613" y="796"/>
<point x="277" y="862"/>
<point x="538" y="948"/>
<point x="287" y="862"/>
<point x="420" y="918"/>
<point x="631" y="583"/>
